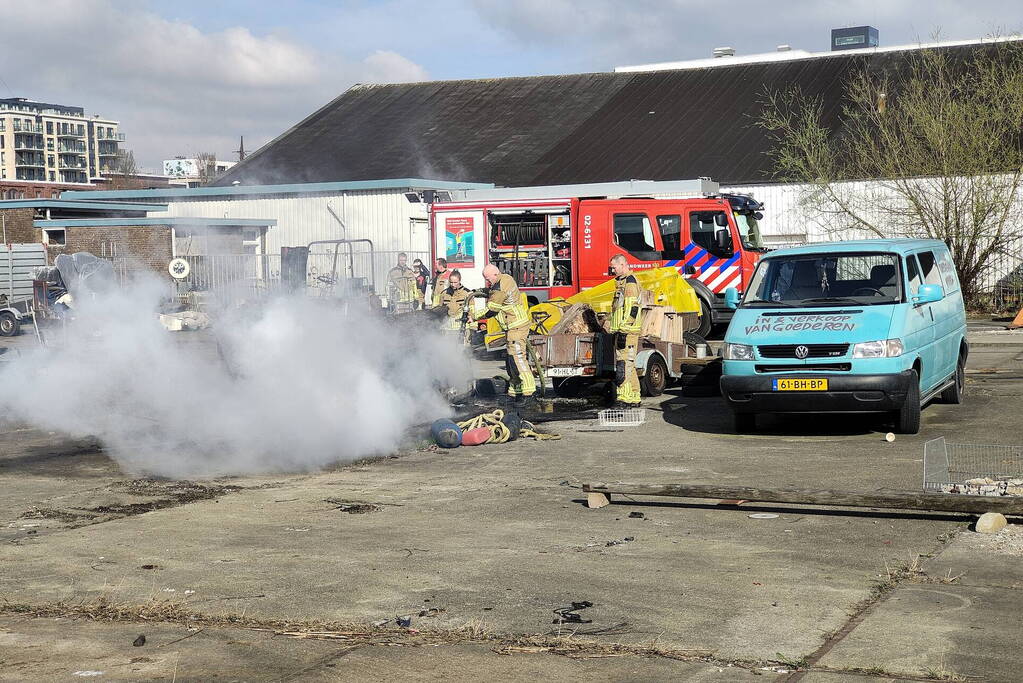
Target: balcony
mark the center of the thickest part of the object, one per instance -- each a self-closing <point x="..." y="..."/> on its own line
<point x="61" y="164"/>
<point x="101" y="135"/>
<point x="70" y="134"/>
<point x="30" y="162"/>
<point x="28" y="144"/>
<point x="71" y="149"/>
<point x="27" y="127"/>
<point x="72" y="177"/>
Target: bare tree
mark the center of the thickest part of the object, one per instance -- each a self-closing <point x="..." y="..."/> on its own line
<point x="124" y="164"/>
<point x="940" y="144"/>
<point x="206" y="167"/>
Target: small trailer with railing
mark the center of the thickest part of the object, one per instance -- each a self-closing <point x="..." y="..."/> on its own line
<point x="17" y="264"/>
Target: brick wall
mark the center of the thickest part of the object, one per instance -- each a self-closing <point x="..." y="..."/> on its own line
<point x="18" y="189"/>
<point x="136" y="246"/>
<point x="19" y="225"/>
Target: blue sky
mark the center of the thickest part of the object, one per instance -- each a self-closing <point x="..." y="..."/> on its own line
<point x="189" y="75"/>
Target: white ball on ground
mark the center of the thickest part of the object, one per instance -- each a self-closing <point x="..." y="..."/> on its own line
<point x="990" y="523"/>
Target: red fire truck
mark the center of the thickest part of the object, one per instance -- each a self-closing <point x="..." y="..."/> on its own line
<point x="557" y="240"/>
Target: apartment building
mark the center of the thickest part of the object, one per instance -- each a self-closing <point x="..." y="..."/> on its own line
<point x="54" y="143"/>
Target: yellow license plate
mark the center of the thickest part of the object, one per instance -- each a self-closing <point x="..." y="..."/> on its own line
<point x="820" y="384"/>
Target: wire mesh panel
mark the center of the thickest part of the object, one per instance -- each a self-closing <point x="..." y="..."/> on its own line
<point x="973" y="468"/>
<point x="621" y="417"/>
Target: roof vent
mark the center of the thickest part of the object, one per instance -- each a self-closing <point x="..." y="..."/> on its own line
<point x="724" y="52"/>
<point x="783" y="48"/>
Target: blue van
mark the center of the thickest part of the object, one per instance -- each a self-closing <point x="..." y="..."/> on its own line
<point x="854" y="327"/>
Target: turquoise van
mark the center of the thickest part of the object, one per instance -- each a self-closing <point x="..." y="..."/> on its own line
<point x="853" y="327"/>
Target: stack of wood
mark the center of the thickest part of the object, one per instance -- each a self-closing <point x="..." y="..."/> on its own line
<point x="578" y="319"/>
<point x="666" y="324"/>
<point x="659" y="322"/>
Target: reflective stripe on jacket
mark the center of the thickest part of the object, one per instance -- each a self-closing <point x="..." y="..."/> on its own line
<point x="506" y="300"/>
<point x="625" y="311"/>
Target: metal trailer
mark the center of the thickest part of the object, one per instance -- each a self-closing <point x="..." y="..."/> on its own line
<point x="17" y="261"/>
<point x="571" y="360"/>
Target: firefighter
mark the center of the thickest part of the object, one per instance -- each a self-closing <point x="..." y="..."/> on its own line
<point x="625" y="325"/>
<point x="402" y="291"/>
<point x="505" y="302"/>
<point x="441" y="273"/>
<point x="453" y="299"/>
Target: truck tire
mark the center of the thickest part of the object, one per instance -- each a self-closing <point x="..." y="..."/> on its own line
<point x="9" y="324"/>
<point x="745" y="423"/>
<point x="706" y="320"/>
<point x="655" y="379"/>
<point x="907" y="418"/>
<point x="954" y="394"/>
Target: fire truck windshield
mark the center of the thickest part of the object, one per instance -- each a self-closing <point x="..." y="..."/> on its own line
<point x="749" y="232"/>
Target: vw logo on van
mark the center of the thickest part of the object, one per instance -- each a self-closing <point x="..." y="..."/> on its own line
<point x="802" y="352"/>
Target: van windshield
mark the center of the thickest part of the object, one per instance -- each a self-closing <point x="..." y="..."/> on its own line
<point x="861" y="279"/>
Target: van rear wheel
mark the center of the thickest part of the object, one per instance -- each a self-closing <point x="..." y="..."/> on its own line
<point x="907" y="418"/>
<point x="954" y="394"/>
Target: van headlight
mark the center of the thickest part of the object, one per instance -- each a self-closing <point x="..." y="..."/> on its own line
<point x="885" y="348"/>
<point x="738" y="352"/>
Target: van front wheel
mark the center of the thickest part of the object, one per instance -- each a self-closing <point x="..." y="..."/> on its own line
<point x="907" y="418"/>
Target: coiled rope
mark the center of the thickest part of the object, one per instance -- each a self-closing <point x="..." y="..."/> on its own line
<point x="499" y="432"/>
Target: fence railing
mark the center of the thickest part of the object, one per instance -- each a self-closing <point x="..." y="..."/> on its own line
<point x="243" y="276"/>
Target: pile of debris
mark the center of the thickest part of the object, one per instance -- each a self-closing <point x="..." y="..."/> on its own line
<point x="985" y="486"/>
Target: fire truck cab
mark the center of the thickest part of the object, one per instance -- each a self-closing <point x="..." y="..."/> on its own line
<point x="557" y="240"/>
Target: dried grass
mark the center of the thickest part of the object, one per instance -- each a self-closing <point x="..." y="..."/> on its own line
<point x="476" y="630"/>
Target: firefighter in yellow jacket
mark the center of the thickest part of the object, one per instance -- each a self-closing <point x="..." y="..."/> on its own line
<point x="505" y="301"/>
<point x="452" y="299"/>
<point x="402" y="292"/>
<point x="626" y="324"/>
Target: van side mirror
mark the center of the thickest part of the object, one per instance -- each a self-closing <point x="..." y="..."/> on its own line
<point x="732" y="298"/>
<point x="929" y="294"/>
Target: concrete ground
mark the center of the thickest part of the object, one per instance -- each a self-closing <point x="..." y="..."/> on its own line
<point x="280" y="578"/>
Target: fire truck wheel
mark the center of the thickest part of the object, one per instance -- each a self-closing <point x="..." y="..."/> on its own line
<point x="706" y="323"/>
<point x="655" y="379"/>
<point x="9" y="325"/>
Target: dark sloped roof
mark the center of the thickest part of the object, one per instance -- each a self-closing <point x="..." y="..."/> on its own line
<point x="549" y="130"/>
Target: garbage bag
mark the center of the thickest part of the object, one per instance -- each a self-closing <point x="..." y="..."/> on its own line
<point x="83" y="272"/>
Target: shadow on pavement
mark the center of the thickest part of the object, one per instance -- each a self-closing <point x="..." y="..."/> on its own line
<point x="710" y="415"/>
<point x="684" y="504"/>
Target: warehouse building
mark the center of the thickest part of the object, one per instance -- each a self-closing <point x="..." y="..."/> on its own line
<point x="389" y="213"/>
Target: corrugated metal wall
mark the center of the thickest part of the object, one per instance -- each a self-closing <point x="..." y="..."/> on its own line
<point x="384" y="216"/>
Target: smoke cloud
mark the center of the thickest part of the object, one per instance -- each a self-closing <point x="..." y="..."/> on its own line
<point x="291" y="385"/>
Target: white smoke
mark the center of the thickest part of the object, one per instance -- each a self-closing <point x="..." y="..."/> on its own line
<point x="294" y="384"/>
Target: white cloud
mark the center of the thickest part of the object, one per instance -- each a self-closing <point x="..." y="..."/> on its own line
<point x="175" y="88"/>
<point x="598" y="34"/>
